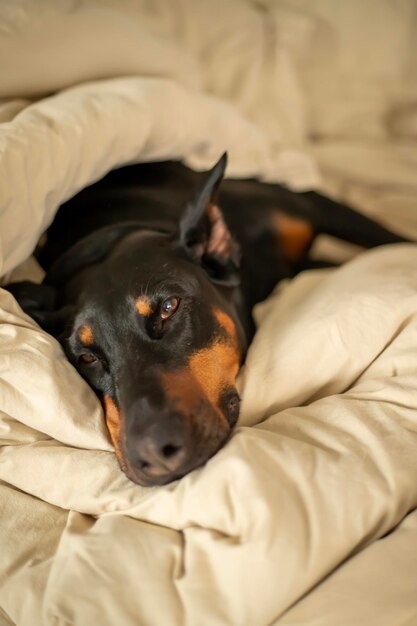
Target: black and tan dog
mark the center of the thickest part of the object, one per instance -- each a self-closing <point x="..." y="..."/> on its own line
<point x="150" y="290"/>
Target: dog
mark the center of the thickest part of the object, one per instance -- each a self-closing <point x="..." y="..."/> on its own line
<point x="152" y="274"/>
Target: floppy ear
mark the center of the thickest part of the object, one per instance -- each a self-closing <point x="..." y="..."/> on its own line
<point x="204" y="232"/>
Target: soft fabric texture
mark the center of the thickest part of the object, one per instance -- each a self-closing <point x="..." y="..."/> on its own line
<point x="289" y="498"/>
<point x="323" y="462"/>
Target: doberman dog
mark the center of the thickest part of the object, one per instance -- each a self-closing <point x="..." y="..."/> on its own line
<point x="151" y="277"/>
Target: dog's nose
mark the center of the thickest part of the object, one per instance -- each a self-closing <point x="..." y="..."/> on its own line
<point x="160" y="449"/>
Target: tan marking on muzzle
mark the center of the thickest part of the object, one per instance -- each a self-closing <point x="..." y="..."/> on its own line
<point x="114" y="421"/>
<point x="209" y="371"/>
<point x="216" y="367"/>
<point x="294" y="235"/>
<point x="86" y="335"/>
<point x="143" y="306"/>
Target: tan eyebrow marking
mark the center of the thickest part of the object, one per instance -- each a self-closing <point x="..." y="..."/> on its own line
<point x="85" y="333"/>
<point x="143" y="306"/>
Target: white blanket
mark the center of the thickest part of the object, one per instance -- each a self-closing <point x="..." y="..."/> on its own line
<point x="323" y="462"/>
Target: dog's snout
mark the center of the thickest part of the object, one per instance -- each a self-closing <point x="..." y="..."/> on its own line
<point x="165" y="436"/>
<point x="160" y="449"/>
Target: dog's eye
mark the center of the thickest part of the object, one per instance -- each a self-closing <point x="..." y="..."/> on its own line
<point x="87" y="358"/>
<point x="169" y="306"/>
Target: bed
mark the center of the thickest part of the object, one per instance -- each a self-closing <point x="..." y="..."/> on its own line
<point x="309" y="514"/>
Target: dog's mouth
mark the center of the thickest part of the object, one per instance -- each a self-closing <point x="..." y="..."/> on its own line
<point x="165" y="448"/>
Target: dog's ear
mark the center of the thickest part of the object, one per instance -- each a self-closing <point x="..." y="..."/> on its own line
<point x="204" y="232"/>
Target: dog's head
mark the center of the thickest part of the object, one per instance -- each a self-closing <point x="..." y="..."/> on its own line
<point x="154" y="329"/>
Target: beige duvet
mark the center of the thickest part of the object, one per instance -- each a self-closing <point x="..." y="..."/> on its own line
<point x="306" y="516"/>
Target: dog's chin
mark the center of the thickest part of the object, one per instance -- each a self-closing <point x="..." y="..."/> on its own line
<point x="149" y="480"/>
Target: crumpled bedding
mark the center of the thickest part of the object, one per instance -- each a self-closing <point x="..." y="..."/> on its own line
<point x="323" y="462"/>
<point x="288" y="498"/>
